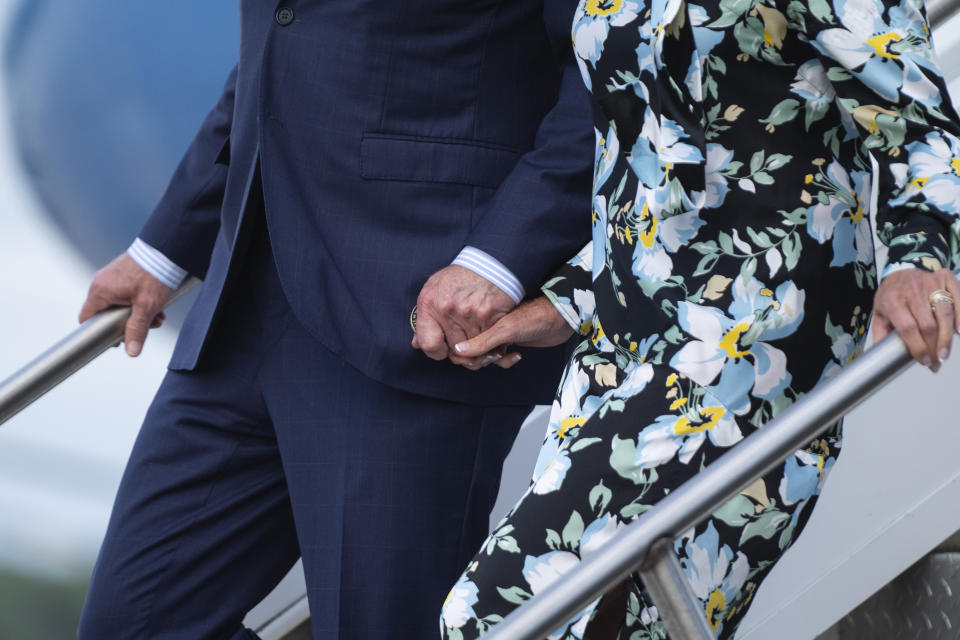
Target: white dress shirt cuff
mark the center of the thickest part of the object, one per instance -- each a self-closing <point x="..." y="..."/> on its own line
<point x="485" y="265"/>
<point x="156" y="264"/>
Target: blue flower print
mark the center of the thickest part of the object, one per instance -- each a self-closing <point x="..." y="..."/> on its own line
<point x="715" y="573"/>
<point x="844" y="216"/>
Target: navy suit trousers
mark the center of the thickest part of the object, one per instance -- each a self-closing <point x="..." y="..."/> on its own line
<point x="272" y="448"/>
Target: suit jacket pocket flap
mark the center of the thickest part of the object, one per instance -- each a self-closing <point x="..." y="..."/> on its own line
<point x="390" y="157"/>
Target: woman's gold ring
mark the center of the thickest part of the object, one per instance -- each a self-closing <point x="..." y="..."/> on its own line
<point x="938" y="296"/>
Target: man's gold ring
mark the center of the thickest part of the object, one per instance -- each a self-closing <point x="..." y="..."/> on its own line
<point x="413" y="318"/>
<point x="938" y="296"/>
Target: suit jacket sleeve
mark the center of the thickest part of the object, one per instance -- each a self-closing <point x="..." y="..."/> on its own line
<point x="893" y="95"/>
<point x="184" y="224"/>
<point x="539" y="215"/>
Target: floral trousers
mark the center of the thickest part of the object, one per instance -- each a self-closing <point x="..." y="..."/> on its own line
<point x="613" y="449"/>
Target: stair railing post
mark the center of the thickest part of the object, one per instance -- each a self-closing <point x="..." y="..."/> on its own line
<point x="677" y="605"/>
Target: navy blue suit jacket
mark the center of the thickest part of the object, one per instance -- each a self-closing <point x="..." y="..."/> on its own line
<point x="389" y="136"/>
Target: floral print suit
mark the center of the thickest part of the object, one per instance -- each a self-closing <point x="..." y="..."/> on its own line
<point x="731" y="270"/>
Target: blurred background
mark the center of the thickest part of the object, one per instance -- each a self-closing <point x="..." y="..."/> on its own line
<point x="98" y="100"/>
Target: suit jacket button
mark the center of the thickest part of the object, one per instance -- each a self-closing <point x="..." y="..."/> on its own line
<point x="284" y="16"/>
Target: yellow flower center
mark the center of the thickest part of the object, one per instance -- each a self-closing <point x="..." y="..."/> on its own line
<point x="856" y="215"/>
<point x="715" y="604"/>
<point x="729" y="341"/>
<point x="676" y="404"/>
<point x="672" y="380"/>
<point x="598" y="334"/>
<point x="766" y="292"/>
<point x="881" y="42"/>
<point x="647" y="237"/>
<point x="567" y="423"/>
<point x="711" y="415"/>
<point x="808" y="178"/>
<point x="918" y="182"/>
<point x="955" y="164"/>
<point x="603" y="7"/>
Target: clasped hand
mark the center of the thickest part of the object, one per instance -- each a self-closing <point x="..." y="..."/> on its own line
<point x="464" y="317"/>
<point x="903" y="304"/>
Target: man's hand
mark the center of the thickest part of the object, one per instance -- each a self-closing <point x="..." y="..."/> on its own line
<point x="123" y="282"/>
<point x="456" y="304"/>
<point x="903" y="304"/>
<point x="536" y="323"/>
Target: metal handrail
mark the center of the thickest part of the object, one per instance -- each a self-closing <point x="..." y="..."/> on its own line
<point x="288" y="621"/>
<point x="629" y="550"/>
<point x="939" y="11"/>
<point x="66" y="357"/>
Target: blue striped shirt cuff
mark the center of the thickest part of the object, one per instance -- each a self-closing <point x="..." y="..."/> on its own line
<point x="485" y="265"/>
<point x="156" y="264"/>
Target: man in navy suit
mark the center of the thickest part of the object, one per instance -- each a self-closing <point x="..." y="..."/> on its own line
<point x="364" y="157"/>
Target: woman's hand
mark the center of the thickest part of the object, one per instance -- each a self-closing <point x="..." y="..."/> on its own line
<point x="907" y="301"/>
<point x="533" y="324"/>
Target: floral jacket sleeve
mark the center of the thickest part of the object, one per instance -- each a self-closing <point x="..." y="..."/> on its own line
<point x="878" y="55"/>
<point x="571" y="292"/>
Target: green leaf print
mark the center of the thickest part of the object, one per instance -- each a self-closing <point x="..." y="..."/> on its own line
<point x="814" y="112"/>
<point x="756" y="160"/>
<point x="508" y="544"/>
<point x="821" y="11"/>
<point x="514" y="595"/>
<point x="796" y="217"/>
<point x="454" y="634"/>
<point x="768" y="524"/>
<point x="784" y="111"/>
<point x="612" y="405"/>
<point x="838" y="74"/>
<point x="733" y="168"/>
<point x="781" y="403"/>
<point x="600" y="497"/>
<point x="634" y="510"/>
<point x="796" y="12"/>
<point x="786" y="536"/>
<point x="583" y="443"/>
<point x="736" y="512"/>
<point x="776" y="161"/>
<point x="673" y="335"/>
<point x="573" y="531"/>
<point x="706" y="264"/>
<point x="732" y="10"/>
<point x="726" y="242"/>
<point x="832" y="138"/>
<point x="791" y="248"/>
<point x="833" y="331"/>
<point x="762" y="177"/>
<point x="760" y="238"/>
<point x="705" y="248"/>
<point x="622" y="457"/>
<point x="553" y="539"/>
<point x="749" y="35"/>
